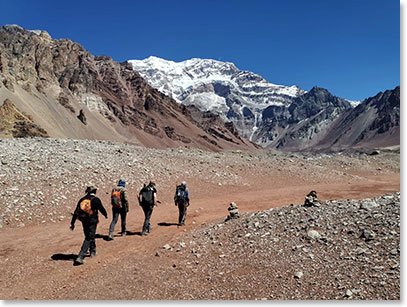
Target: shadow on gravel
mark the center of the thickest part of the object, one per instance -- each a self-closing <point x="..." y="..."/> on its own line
<point x="167" y="224"/>
<point x="63" y="257"/>
<point x="131" y="233"/>
<point x="104" y="237"/>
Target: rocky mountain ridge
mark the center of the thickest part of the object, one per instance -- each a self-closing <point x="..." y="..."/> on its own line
<point x="52" y="80"/>
<point x="374" y="122"/>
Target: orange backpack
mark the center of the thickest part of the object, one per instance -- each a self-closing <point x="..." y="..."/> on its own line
<point x="85" y="209"/>
<point x="116" y="198"/>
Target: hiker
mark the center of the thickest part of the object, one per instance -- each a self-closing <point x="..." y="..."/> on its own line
<point x="311" y="200"/>
<point x="120" y="206"/>
<point x="181" y="199"/>
<point x="87" y="212"/>
<point x="147" y="201"/>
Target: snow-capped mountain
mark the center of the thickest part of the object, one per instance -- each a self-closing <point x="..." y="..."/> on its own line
<point x="220" y="87"/>
<point x="274" y="116"/>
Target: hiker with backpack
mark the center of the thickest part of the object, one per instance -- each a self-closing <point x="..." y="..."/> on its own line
<point x="87" y="212"/>
<point x="120" y="206"/>
<point x="147" y="201"/>
<point x="181" y="199"/>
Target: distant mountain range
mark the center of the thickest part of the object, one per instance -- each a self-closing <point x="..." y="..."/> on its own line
<point x="56" y="88"/>
<point x="274" y="116"/>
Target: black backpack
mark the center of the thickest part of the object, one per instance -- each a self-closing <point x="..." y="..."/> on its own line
<point x="180" y="193"/>
<point x="147" y="196"/>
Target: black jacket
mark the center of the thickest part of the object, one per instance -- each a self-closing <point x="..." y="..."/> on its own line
<point x="95" y="204"/>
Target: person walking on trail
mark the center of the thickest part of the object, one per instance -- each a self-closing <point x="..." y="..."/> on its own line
<point x="87" y="212"/>
<point x="147" y="201"/>
<point x="181" y="199"/>
<point x="120" y="206"/>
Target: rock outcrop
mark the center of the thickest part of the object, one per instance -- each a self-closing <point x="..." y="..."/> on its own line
<point x="15" y="124"/>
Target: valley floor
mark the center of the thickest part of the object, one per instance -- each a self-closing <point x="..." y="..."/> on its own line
<point x="37" y="250"/>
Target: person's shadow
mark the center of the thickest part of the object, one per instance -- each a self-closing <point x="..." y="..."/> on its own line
<point x="128" y="233"/>
<point x="132" y="233"/>
<point x="65" y="257"/>
<point x="167" y="224"/>
<point x="104" y="237"/>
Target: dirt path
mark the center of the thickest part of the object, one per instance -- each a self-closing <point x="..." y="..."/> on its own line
<point x="36" y="261"/>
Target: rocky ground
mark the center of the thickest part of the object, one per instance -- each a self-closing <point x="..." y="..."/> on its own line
<point x="345" y="249"/>
<point x="41" y="179"/>
<point x="342" y="250"/>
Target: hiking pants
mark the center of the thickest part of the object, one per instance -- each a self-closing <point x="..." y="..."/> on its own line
<point x="182" y="207"/>
<point x="148" y="210"/>
<point x="89" y="229"/>
<point x="115" y="213"/>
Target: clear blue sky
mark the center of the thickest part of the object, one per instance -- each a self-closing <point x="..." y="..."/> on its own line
<point x="350" y="47"/>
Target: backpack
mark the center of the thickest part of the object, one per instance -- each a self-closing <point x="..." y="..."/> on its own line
<point x="180" y="194"/>
<point x="116" y="198"/>
<point x="85" y="209"/>
<point x="147" y="195"/>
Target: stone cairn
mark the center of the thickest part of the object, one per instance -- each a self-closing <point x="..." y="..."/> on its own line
<point x="311" y="200"/>
<point x="233" y="211"/>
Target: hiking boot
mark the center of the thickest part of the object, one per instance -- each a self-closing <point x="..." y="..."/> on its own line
<point x="123" y="233"/>
<point x="79" y="260"/>
<point x="93" y="254"/>
<point x="110" y="238"/>
<point x="144" y="233"/>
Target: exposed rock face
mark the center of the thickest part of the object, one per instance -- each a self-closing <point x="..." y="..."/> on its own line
<point x="301" y="124"/>
<point x="214" y="125"/>
<point x="14" y="123"/>
<point x="119" y="98"/>
<point x="82" y="117"/>
<point x="374" y="122"/>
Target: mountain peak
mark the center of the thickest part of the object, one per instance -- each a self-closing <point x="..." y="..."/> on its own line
<point x="316" y="89"/>
<point x="15" y="27"/>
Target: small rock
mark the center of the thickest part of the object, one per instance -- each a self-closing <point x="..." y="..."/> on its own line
<point x="369" y="205"/>
<point x="368" y="235"/>
<point x="313" y="234"/>
<point x="298" y="275"/>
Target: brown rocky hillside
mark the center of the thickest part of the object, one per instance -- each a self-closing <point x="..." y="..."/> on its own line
<point x="52" y="80"/>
